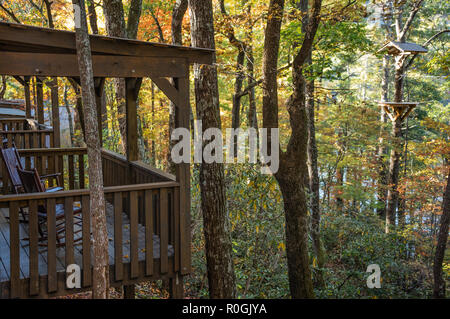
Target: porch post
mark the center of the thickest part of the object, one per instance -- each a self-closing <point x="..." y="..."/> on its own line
<point x="132" y="86"/>
<point x="55" y="113"/>
<point x="183" y="177"/>
<point x="40" y="101"/>
<point x="27" y="97"/>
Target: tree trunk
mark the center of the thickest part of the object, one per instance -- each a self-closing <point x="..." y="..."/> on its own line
<point x="221" y="277"/>
<point x="115" y="26"/>
<point x="313" y="172"/>
<point x="100" y="287"/>
<point x="251" y="115"/>
<point x="394" y="161"/>
<point x="394" y="165"/>
<point x="381" y="151"/>
<point x="439" y="282"/>
<point x="69" y="117"/>
<point x="92" y="16"/>
<point x="292" y="171"/>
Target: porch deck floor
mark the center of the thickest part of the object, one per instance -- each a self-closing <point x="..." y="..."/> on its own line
<point x="60" y="252"/>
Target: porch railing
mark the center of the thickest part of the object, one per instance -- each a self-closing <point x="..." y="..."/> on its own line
<point x="133" y="254"/>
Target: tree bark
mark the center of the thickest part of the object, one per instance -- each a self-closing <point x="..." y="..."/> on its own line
<point x="221" y="277"/>
<point x="394" y="165"/>
<point x="134" y="16"/>
<point x="100" y="287"/>
<point x="69" y="117"/>
<point x="439" y="282"/>
<point x="92" y="16"/>
<point x="115" y="26"/>
<point x="314" y="186"/>
<point x="292" y="171"/>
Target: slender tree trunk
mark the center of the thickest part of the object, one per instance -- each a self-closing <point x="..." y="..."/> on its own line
<point x="251" y="115"/>
<point x="97" y="200"/>
<point x="92" y="16"/>
<point x="69" y="117"/>
<point x="394" y="166"/>
<point x="439" y="282"/>
<point x="221" y="277"/>
<point x="382" y="174"/>
<point x="313" y="172"/>
<point x="394" y="161"/>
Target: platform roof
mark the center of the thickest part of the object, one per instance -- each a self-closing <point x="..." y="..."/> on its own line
<point x="30" y="50"/>
<point x="396" y="48"/>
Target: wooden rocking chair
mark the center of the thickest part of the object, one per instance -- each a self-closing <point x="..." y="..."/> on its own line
<point x="11" y="158"/>
<point x="12" y="161"/>
<point x="32" y="184"/>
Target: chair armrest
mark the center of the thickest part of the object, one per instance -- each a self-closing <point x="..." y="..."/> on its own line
<point x="50" y="176"/>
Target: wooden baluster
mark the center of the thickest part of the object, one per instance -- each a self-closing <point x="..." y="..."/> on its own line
<point x="118" y="254"/>
<point x="69" y="236"/>
<point x="148" y="199"/>
<point x="33" y="248"/>
<point x="71" y="173"/>
<point x="176" y="244"/>
<point x="164" y="242"/>
<point x="51" y="245"/>
<point x="134" y="235"/>
<point x="14" y="249"/>
<point x="86" y="213"/>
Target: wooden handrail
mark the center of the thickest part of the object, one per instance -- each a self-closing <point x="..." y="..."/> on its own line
<point x="83" y="192"/>
<point x="68" y="150"/>
<point x="26" y="131"/>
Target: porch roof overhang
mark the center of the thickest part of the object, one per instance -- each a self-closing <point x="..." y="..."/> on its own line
<point x="34" y="51"/>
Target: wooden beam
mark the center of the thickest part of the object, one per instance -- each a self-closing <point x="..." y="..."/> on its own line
<point x="40" y="101"/>
<point x="55" y="113"/>
<point x="132" y="86"/>
<point x="25" y="37"/>
<point x="43" y="64"/>
<point x="183" y="177"/>
<point x="169" y="90"/>
<point x="27" y="97"/>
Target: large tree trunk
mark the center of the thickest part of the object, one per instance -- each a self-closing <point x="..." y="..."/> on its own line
<point x="221" y="277"/>
<point x="100" y="287"/>
<point x="292" y="171"/>
<point x="439" y="282"/>
<point x="115" y="26"/>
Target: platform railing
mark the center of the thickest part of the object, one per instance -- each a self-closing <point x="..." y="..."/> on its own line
<point x="157" y="202"/>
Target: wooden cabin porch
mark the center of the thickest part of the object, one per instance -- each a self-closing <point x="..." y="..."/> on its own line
<point x="148" y="211"/>
<point x="143" y="221"/>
